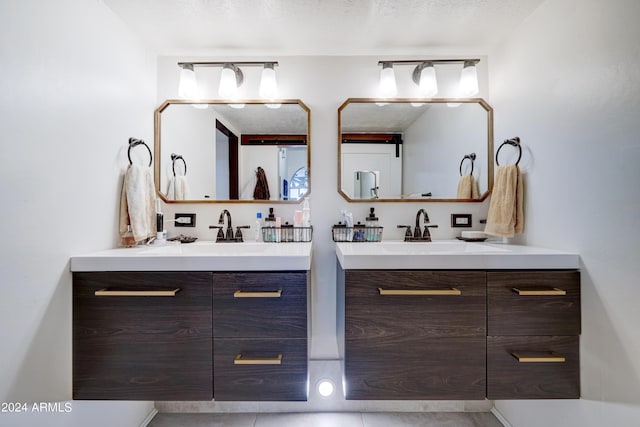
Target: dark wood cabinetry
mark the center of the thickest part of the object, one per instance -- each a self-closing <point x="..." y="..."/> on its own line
<point x="142" y="336"/>
<point x="260" y="336"/>
<point x="414" y="334"/>
<point x="418" y="334"/>
<point x="533" y="329"/>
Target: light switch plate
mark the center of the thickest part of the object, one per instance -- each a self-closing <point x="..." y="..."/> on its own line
<point x="460" y="220"/>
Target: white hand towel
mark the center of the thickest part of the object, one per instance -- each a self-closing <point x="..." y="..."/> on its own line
<point x="506" y="210"/>
<point x="178" y="188"/>
<point x="138" y="203"/>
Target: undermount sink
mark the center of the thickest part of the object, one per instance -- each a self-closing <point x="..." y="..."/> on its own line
<point x="199" y="256"/>
<point x="449" y="254"/>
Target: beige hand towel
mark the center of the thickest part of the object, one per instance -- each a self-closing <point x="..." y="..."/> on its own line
<point x="506" y="210"/>
<point x="468" y="187"/>
<point x="138" y="203"/>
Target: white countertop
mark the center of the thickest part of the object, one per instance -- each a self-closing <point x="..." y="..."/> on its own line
<point x="451" y="254"/>
<point x="199" y="256"/>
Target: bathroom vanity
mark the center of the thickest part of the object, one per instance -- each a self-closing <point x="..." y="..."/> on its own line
<point x="456" y="320"/>
<point x="192" y="322"/>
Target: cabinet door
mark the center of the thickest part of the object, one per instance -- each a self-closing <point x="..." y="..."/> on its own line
<point x="415" y="334"/>
<point x="129" y="344"/>
<point x="260" y="304"/>
<point x="533" y="302"/>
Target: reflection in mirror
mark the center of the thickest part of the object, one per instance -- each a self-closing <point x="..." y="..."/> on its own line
<point x="213" y="151"/>
<point x="422" y="149"/>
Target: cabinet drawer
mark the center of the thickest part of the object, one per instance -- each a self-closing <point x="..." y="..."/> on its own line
<point x="140" y="347"/>
<point x="436" y="368"/>
<point x="265" y="304"/>
<point x="260" y="369"/>
<point x="548" y="303"/>
<point x="549" y="367"/>
<point x="395" y="305"/>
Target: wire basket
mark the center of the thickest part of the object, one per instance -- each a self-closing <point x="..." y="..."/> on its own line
<point x="287" y="234"/>
<point x="358" y="233"/>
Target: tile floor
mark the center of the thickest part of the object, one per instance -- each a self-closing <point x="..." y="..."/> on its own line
<point x="328" y="419"/>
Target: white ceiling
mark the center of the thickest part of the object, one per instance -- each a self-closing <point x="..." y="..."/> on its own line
<point x="321" y="27"/>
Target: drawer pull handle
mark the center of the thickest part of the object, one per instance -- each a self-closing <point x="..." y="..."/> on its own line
<point x="418" y="292"/>
<point x="122" y="293"/>
<point x="539" y="292"/>
<point x="550" y="357"/>
<point x="239" y="360"/>
<point x="242" y="294"/>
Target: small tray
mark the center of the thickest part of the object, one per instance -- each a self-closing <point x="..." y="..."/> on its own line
<point x="472" y="239"/>
<point x="183" y="239"/>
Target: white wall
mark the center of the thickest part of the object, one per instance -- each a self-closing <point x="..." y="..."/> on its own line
<point x="568" y="83"/>
<point x="75" y="84"/>
<point x="323" y="84"/>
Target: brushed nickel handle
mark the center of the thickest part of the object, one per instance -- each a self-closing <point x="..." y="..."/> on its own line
<point x="539" y="292"/>
<point x="550" y="357"/>
<point x="239" y="360"/>
<point x="243" y="294"/>
<point x="122" y="293"/>
<point x="419" y="292"/>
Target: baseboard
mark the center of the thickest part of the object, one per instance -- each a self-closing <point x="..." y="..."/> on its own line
<point x="149" y="417"/>
<point x="500" y="417"/>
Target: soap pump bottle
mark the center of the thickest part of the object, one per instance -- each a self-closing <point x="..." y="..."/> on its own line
<point x="306" y="213"/>
<point x="270" y="227"/>
<point x="372" y="230"/>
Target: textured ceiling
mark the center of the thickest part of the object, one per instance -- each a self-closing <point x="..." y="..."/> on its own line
<point x="321" y="27"/>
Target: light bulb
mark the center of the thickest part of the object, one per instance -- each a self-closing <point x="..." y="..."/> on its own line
<point x="326" y="388"/>
<point x="188" y="86"/>
<point x="428" y="83"/>
<point x="268" y="82"/>
<point x="228" y="82"/>
<point x="388" y="88"/>
<point x="469" y="79"/>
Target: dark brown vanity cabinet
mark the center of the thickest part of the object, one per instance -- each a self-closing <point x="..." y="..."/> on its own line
<point x="260" y="336"/>
<point x="142" y="335"/>
<point x="411" y="334"/>
<point x="533" y="328"/>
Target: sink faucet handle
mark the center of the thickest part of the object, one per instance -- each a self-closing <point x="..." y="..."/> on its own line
<point x="239" y="237"/>
<point x="220" y="235"/>
<point x="407" y="233"/>
<point x="426" y="235"/>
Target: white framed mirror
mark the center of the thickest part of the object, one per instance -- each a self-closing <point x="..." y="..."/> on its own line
<point x="408" y="150"/>
<point x="219" y="151"/>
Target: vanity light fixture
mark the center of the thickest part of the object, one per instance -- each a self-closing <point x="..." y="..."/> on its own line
<point x="388" y="87"/>
<point x="424" y="76"/>
<point x="188" y="87"/>
<point x="231" y="78"/>
<point x="469" y="79"/>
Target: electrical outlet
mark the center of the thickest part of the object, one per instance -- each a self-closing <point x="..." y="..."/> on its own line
<point x="460" y="220"/>
<point x="185" y="220"/>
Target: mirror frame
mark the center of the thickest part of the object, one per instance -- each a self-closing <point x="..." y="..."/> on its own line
<point x="157" y="142"/>
<point x="479" y="101"/>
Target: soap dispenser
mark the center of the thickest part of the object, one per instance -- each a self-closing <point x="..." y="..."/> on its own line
<point x="372" y="231"/>
<point x="269" y="234"/>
